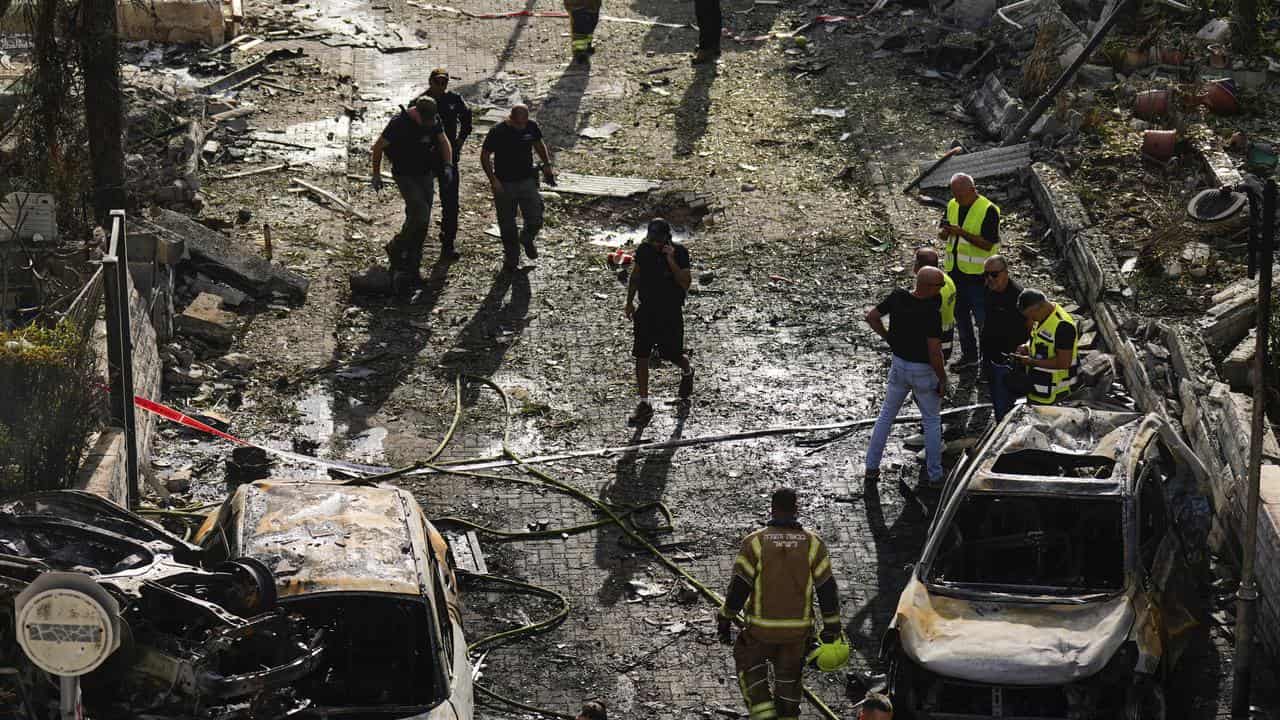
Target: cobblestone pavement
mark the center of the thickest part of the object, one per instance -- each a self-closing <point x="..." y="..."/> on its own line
<point x="768" y="351"/>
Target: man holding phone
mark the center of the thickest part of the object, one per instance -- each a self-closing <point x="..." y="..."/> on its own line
<point x="661" y="276"/>
<point x="970" y="233"/>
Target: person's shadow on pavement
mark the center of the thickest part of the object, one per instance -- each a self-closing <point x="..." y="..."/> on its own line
<point x="558" y="113"/>
<point x="633" y="484"/>
<point x="495" y="327"/>
<point x="391" y="349"/>
<point x="691" y="116"/>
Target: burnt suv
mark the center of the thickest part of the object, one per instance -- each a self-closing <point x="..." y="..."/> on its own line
<point x="1057" y="579"/>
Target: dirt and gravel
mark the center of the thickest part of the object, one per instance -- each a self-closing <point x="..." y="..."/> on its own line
<point x="796" y="225"/>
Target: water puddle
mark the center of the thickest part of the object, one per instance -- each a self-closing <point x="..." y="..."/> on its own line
<point x="628" y="236"/>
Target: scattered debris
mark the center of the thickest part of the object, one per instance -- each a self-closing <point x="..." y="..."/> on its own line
<point x="981" y="165"/>
<point x="333" y="199"/>
<point x="600" y="186"/>
<point x="604" y="131"/>
<point x="828" y="112"/>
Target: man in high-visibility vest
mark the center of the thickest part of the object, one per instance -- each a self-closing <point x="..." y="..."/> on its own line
<point x="1051" y="355"/>
<point x="584" y="15"/>
<point x="970" y="233"/>
<point x="928" y="257"/>
<point x="778" y="571"/>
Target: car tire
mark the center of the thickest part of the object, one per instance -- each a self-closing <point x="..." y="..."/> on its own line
<point x="1149" y="703"/>
<point x="902" y="687"/>
<point x="257" y="580"/>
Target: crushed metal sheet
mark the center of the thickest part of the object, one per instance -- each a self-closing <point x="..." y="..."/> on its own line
<point x="985" y="164"/>
<point x="603" y="186"/>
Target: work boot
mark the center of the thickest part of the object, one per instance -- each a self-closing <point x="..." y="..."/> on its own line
<point x="871" y="476"/>
<point x="703" y="56"/>
<point x="448" y="253"/>
<point x="530" y="250"/>
<point x="402" y="283"/>
<point x="641" y="415"/>
<point x="686" y="384"/>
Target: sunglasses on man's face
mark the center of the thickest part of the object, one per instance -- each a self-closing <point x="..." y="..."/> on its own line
<point x="993" y="274"/>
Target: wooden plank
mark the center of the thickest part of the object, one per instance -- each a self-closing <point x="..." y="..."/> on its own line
<point x="255" y="171"/>
<point x="332" y="198"/>
<point x="477" y="554"/>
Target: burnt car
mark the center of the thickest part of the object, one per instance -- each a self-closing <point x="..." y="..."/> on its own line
<point x="363" y="564"/>
<point x="193" y="635"/>
<point x="1059" y="575"/>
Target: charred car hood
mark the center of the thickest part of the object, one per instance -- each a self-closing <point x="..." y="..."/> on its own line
<point x="1009" y="643"/>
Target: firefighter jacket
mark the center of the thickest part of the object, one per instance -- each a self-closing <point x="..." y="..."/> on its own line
<point x="780" y="567"/>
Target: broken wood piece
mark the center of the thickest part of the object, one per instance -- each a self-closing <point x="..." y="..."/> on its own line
<point x="248" y="72"/>
<point x="332" y="198"/>
<point x="233" y="113"/>
<point x="255" y="42"/>
<point x="230" y="43"/>
<point x="255" y="171"/>
<point x="285" y="88"/>
<point x="281" y="143"/>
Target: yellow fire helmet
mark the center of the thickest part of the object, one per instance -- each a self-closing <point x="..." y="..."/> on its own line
<point x="830" y="656"/>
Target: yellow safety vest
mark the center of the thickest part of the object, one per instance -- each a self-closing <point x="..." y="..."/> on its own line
<point x="1047" y="386"/>
<point x="963" y="254"/>
<point x="948" y="295"/>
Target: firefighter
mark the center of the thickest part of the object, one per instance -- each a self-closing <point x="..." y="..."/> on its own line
<point x="1051" y="355"/>
<point x="584" y="15"/>
<point x="778" y="570"/>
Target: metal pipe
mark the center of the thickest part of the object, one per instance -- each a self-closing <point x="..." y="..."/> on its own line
<point x="1045" y="100"/>
<point x="1001" y="12"/>
<point x="1247" y="594"/>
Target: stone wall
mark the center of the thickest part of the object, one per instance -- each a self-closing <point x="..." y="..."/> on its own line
<point x="103" y="472"/>
<point x="1170" y="373"/>
<point x="166" y="21"/>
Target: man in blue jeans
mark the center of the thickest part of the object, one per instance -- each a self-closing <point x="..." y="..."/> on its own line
<point x="915" y="337"/>
<point x="970" y="233"/>
<point x="1004" y="330"/>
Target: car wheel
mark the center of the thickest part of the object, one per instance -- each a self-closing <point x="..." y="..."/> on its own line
<point x="902" y="687"/>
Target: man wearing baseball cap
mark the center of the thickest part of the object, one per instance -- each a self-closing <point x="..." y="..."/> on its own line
<point x="661" y="276"/>
<point x="412" y="140"/>
<point x="455" y="118"/>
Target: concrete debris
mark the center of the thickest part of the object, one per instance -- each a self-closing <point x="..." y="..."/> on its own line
<point x="599" y="133"/>
<point x="1196" y="256"/>
<point x="1095" y="75"/>
<point x="165" y="21"/>
<point x="211" y="253"/>
<point x="982" y="165"/>
<point x="970" y="14"/>
<point x="244" y="74"/>
<point x="1237" y="368"/>
<point x="239" y="363"/>
<point x="206" y="321"/>
<point x="1217" y="30"/>
<point x="993" y="108"/>
<point x="1226" y="323"/>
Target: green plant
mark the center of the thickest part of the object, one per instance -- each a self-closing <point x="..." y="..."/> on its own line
<point x="53" y="404"/>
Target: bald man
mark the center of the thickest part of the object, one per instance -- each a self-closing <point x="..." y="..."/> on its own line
<point x="970" y="233"/>
<point x="928" y="257"/>
<point x="915" y="338"/>
<point x="507" y="159"/>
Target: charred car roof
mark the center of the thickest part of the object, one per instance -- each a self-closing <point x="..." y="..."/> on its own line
<point x="1062" y="451"/>
<point x="327" y="537"/>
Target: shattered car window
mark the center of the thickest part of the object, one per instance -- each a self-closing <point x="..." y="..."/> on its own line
<point x="1054" y="464"/>
<point x="1055" y="545"/>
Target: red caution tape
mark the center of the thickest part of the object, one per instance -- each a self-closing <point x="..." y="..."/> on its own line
<point x="169" y="413"/>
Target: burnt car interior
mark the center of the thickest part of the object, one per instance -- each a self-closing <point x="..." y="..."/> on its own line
<point x="1049" y="544"/>
<point x="380" y="652"/>
<point x="1054" y="464"/>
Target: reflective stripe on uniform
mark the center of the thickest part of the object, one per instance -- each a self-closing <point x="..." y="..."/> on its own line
<point x="831" y="619"/>
<point x="1047" y="386"/>
<point x="743" y="564"/>
<point x="791" y="623"/>
<point x="757" y="593"/>
<point x="964" y="255"/>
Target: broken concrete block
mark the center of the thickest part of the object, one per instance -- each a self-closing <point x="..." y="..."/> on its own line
<point x="970" y="14"/>
<point x="231" y="297"/>
<point x="205" y="320"/>
<point x="1237" y="368"/>
<point x="1227" y="322"/>
<point x="1222" y="169"/>
<point x="212" y="254"/>
<point x="1196" y="256"/>
<point x="236" y="362"/>
<point x="1217" y="30"/>
<point x="1095" y="75"/>
<point x="1096" y="367"/>
<point x="993" y="108"/>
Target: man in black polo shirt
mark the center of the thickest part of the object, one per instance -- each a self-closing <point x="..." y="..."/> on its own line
<point x="455" y="117"/>
<point x="915" y="337"/>
<point x="1004" y="330"/>
<point x="661" y="276"/>
<point x="514" y="180"/>
<point x="410" y="140"/>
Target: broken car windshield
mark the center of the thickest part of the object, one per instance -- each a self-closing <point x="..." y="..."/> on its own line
<point x="1054" y="464"/>
<point x="1060" y="545"/>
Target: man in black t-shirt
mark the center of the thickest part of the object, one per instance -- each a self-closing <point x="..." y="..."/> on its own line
<point x="411" y="140"/>
<point x="455" y="118"/>
<point x="1002" y="332"/>
<point x="915" y="337"/>
<point x="660" y="275"/>
<point x="507" y="158"/>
